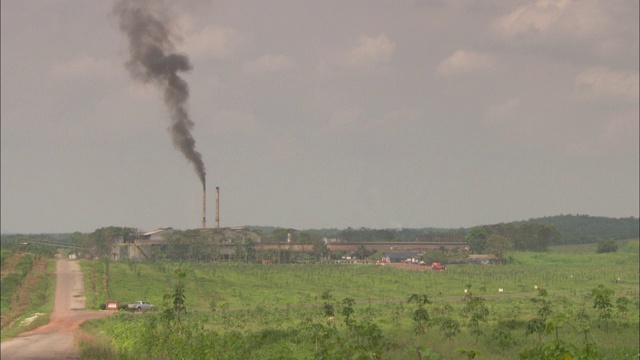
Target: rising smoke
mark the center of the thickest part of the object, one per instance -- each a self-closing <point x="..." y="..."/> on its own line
<point x="153" y="60"/>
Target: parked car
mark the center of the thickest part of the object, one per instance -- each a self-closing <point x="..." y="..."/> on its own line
<point x="140" y="306"/>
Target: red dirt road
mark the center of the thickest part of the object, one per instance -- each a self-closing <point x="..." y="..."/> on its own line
<point x="56" y="339"/>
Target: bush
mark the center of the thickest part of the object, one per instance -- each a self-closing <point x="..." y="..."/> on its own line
<point x="606" y="246"/>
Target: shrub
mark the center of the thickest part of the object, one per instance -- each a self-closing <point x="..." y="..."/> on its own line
<point x="606" y="246"/>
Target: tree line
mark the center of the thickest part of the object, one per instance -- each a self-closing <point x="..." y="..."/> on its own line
<point x="531" y="235"/>
<point x="585" y="229"/>
<point x="499" y="238"/>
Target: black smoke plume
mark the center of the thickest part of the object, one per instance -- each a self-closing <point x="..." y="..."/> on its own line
<point x="153" y="59"/>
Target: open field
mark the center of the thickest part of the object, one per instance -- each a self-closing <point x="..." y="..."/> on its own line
<point x="251" y="285"/>
<point x="281" y="311"/>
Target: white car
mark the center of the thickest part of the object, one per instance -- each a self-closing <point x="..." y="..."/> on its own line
<point x="141" y="305"/>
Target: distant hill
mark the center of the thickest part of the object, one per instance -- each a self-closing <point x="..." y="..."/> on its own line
<point x="585" y="229"/>
<point x="573" y="229"/>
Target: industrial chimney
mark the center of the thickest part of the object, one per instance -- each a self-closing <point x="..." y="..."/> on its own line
<point x="217" y="207"/>
<point x="204" y="207"/>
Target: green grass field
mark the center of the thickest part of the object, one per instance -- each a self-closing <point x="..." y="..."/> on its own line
<point x="251" y="285"/>
<point x="277" y="311"/>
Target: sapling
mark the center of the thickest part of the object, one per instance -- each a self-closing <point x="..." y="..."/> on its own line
<point x="535" y="326"/>
<point x="556" y="349"/>
<point x="477" y="312"/>
<point x="545" y="308"/>
<point x="420" y="315"/>
<point x="175" y="302"/>
<point x="449" y="326"/>
<point x="327" y="306"/>
<point x="502" y="336"/>
<point x="602" y="302"/>
<point x="590" y="350"/>
<point x="622" y="305"/>
<point x="347" y="310"/>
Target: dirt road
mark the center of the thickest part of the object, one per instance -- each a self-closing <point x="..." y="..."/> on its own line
<point x="56" y="339"/>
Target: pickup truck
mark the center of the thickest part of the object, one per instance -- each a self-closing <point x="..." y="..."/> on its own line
<point x="140" y="305"/>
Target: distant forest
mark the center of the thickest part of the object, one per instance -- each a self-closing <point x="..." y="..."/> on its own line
<point x="585" y="229"/>
<point x="363" y="234"/>
<point x="572" y="229"/>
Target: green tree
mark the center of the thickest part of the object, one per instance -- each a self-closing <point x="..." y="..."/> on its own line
<point x="238" y="248"/>
<point x="497" y="245"/>
<point x="101" y="240"/>
<point x="278" y="235"/>
<point x="249" y="249"/>
<point x="477" y="239"/>
<point x="77" y="238"/>
<point x="320" y="250"/>
<point x="305" y="238"/>
<point x="528" y="236"/>
<point x="197" y="247"/>
<point x="548" y="235"/>
<point x="362" y="252"/>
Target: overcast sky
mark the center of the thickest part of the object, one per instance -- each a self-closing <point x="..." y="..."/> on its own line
<point x="310" y="114"/>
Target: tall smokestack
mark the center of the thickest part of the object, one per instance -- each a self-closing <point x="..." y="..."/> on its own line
<point x="204" y="207"/>
<point x="217" y="207"/>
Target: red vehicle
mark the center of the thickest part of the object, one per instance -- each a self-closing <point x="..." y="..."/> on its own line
<point x="438" y="266"/>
